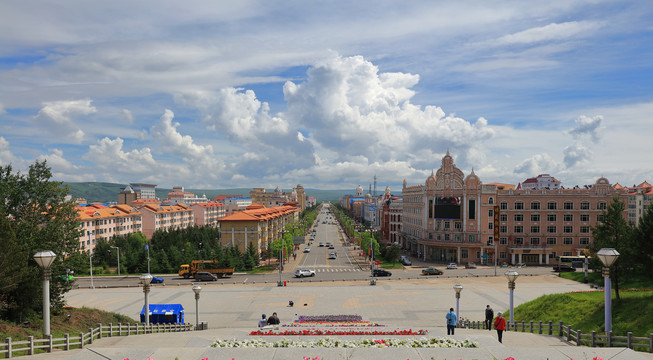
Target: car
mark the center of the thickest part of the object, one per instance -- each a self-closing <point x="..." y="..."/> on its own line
<point x="331" y="246"/>
<point x="332" y="256"/>
<point x="156" y="280"/>
<point x="205" y="276"/>
<point x="405" y="260"/>
<point x="431" y="271"/>
<point x="307" y="249"/>
<point x="381" y="272"/>
<point x="470" y="265"/>
<point x="300" y="273"/>
<point x="563" y="268"/>
<point x="321" y="244"/>
<point x="452" y="266"/>
<point x="521" y="265"/>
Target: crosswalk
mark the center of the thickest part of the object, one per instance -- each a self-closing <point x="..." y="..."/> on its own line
<point x="323" y="270"/>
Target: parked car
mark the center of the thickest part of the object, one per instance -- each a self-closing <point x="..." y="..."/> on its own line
<point x="452" y="266"/>
<point x="563" y="268"/>
<point x="332" y="256"/>
<point x="300" y="273"/>
<point x="156" y="280"/>
<point x="205" y="276"/>
<point x="307" y="249"/>
<point x="470" y="265"/>
<point x="431" y="271"/>
<point x="381" y="272"/>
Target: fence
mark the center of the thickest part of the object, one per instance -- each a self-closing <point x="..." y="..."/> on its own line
<point x="32" y="345"/>
<point x="565" y="331"/>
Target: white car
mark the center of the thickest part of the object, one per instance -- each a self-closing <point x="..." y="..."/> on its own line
<point x="300" y="273"/>
<point x="452" y="266"/>
<point x="307" y="249"/>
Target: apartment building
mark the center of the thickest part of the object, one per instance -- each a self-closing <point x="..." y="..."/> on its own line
<point x="169" y="217"/>
<point x="640" y="198"/>
<point x="100" y="222"/>
<point x="207" y="213"/>
<point x="259" y="226"/>
<point x="453" y="218"/>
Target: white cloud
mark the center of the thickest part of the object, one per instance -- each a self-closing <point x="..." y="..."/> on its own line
<point x="537" y="164"/>
<point x="552" y="32"/>
<point x="108" y="156"/>
<point x="576" y="154"/>
<point x="586" y="125"/>
<point x="57" y="117"/>
<point x="6" y="157"/>
<point x="2" y="110"/>
<point x="127" y="115"/>
<point x="58" y="163"/>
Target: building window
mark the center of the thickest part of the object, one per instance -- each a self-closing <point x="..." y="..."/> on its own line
<point x="447" y="225"/>
<point x="568" y="241"/>
<point x="601" y="206"/>
<point x="472" y="209"/>
<point x="535" y="241"/>
<point x="504" y="206"/>
<point x="535" y="217"/>
<point x="551" y="205"/>
<point x="490" y="225"/>
<point x="552" y="229"/>
<point x="584" y="229"/>
<point x="551" y="217"/>
<point x="471" y="238"/>
<point x="478" y="254"/>
<point x="446" y="237"/>
<point x="551" y="241"/>
<point x="569" y="205"/>
<point x="519" y="241"/>
<point x="503" y="255"/>
<point x="535" y="205"/>
<point x="584" y="217"/>
<point x="552" y="255"/>
<point x="584" y="241"/>
<point x="519" y="217"/>
<point x="503" y="241"/>
<point x="601" y="217"/>
<point x="490" y="213"/>
<point x="568" y="229"/>
<point x="568" y="217"/>
<point x="519" y="205"/>
<point x="518" y="229"/>
<point x="491" y="200"/>
<point x="567" y="253"/>
<point x="503" y="217"/>
<point x="535" y="229"/>
<point x="503" y="229"/>
<point x="458" y="225"/>
<point x="464" y="253"/>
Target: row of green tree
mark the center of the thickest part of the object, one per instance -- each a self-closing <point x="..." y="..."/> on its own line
<point x="634" y="242"/>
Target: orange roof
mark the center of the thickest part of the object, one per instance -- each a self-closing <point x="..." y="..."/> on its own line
<point x="254" y="206"/>
<point x="92" y="213"/>
<point x="220" y="198"/>
<point x="166" y="208"/>
<point x="208" y="204"/>
<point x="644" y="184"/>
<point x="617" y="186"/>
<point x="262" y="214"/>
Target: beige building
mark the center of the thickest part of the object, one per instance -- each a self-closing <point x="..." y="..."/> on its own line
<point x="208" y="213"/>
<point x="259" y="226"/>
<point x="170" y="217"/>
<point x="451" y="218"/>
<point x="99" y="222"/>
<point x="278" y="197"/>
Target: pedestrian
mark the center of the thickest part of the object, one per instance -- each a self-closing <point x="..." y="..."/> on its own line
<point x="489" y="316"/>
<point x="500" y="326"/>
<point x="452" y="320"/>
<point x="262" y="322"/>
<point x="273" y="320"/>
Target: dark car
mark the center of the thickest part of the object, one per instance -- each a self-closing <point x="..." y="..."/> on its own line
<point x="563" y="268"/>
<point x="431" y="271"/>
<point x="156" y="280"/>
<point x="405" y="260"/>
<point x="205" y="276"/>
<point x="381" y="272"/>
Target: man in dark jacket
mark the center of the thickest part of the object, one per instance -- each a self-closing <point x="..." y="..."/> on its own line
<point x="489" y="316"/>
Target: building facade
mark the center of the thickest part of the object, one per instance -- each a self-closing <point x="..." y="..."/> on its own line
<point x="169" y="217"/>
<point x="207" y="213"/>
<point x="99" y="222"/>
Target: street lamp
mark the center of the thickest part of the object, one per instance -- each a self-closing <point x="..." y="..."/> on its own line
<point x="145" y="280"/>
<point x="90" y="257"/>
<point x="115" y="247"/>
<point x="512" y="276"/>
<point x="197" y="289"/>
<point x="283" y="233"/>
<point x="458" y="288"/>
<point x="607" y="256"/>
<point x="45" y="259"/>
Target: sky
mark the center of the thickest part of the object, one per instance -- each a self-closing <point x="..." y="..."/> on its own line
<point x="327" y="94"/>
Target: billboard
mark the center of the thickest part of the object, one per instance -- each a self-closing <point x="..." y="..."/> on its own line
<point x="448" y="207"/>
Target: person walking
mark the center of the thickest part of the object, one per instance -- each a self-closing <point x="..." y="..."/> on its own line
<point x="262" y="322"/>
<point x="452" y="320"/>
<point x="489" y="316"/>
<point x="500" y="326"/>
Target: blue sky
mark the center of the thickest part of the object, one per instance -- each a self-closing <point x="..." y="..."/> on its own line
<point x="221" y="94"/>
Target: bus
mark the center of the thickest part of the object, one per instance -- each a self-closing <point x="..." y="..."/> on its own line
<point x="574" y="261"/>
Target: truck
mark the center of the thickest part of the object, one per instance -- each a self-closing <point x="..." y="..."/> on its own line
<point x="211" y="266"/>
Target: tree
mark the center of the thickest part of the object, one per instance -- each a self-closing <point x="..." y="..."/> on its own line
<point x="615" y="232"/>
<point x="41" y="219"/>
<point x="643" y="242"/>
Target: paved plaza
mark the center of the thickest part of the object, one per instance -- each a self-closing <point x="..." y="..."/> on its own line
<point x="232" y="311"/>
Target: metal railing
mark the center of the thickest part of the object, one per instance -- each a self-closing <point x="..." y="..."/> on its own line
<point x="31" y="346"/>
<point x="566" y="332"/>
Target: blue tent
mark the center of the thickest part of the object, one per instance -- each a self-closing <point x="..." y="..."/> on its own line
<point x="164" y="314"/>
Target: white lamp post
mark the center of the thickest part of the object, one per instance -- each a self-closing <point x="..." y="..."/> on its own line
<point x="512" y="276"/>
<point x="45" y="259"/>
<point x="458" y="288"/>
<point x="145" y="280"/>
<point x="283" y="233"/>
<point x="115" y="247"/>
<point x="197" y="289"/>
<point x="607" y="256"/>
<point x="90" y="258"/>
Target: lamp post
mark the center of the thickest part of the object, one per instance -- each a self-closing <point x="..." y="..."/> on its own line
<point x="90" y="258"/>
<point x="197" y="289"/>
<point x="145" y="280"/>
<point x="512" y="276"/>
<point x="458" y="288"/>
<point x="283" y="233"/>
<point x="45" y="259"/>
<point x="607" y="256"/>
<point x="115" y="247"/>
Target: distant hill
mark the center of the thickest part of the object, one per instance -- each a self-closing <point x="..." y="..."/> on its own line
<point x="107" y="192"/>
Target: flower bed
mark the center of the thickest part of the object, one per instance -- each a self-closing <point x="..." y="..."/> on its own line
<point x="439" y="342"/>
<point x="329" y="318"/>
<point x="320" y="332"/>
<point x="332" y="324"/>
